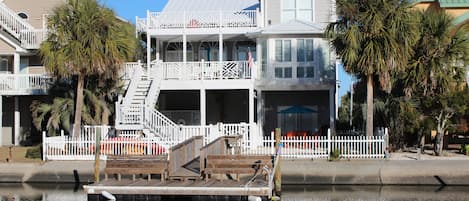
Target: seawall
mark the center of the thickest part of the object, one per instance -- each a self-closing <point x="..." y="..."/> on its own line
<point x="297" y="172"/>
<point x="376" y="172"/>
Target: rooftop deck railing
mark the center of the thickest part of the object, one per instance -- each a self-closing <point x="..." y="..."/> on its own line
<point x="23" y="83"/>
<point x="194" y="20"/>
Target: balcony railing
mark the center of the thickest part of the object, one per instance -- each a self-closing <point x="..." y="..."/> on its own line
<point x="194" y="20"/>
<point x="23" y="83"/>
<point x="32" y="38"/>
<point x="213" y="70"/>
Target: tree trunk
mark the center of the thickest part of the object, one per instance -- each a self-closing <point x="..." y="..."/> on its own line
<point x="369" y="106"/>
<point x="438" y="148"/>
<point x="78" y="106"/>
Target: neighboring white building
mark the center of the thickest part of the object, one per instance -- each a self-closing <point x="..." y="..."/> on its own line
<point x="22" y="78"/>
<point x="201" y="74"/>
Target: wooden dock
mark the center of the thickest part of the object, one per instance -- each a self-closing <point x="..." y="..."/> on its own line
<point x="217" y="169"/>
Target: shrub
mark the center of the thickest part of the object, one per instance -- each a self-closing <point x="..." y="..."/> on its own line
<point x="34" y="152"/>
<point x="334" y="155"/>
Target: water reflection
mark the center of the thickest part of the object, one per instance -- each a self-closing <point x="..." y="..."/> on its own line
<point x="375" y="193"/>
<point x="40" y="192"/>
<point x="66" y="192"/>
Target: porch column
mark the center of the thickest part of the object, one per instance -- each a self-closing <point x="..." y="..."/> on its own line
<point x="260" y="107"/>
<point x="157" y="48"/>
<point x="148" y="40"/>
<point x="251" y="105"/>
<point x="1" y="120"/>
<point x="258" y="68"/>
<point x="203" y="108"/>
<point x="220" y="47"/>
<point x="184" y="48"/>
<point x="332" y="110"/>
<point x="16" y="63"/>
<point x="16" y="140"/>
<point x="16" y="69"/>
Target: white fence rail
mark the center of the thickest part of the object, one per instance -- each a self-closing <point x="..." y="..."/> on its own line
<point x="82" y="147"/>
<point x="32" y="38"/>
<point x="349" y="147"/>
<point x="210" y="70"/>
<point x="23" y="82"/>
<point x="197" y="20"/>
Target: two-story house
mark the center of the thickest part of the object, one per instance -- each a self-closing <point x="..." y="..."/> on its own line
<point x="252" y="61"/>
<point x="22" y="78"/>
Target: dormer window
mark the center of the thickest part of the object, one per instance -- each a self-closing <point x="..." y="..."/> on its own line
<point x="297" y="10"/>
<point x="23" y="15"/>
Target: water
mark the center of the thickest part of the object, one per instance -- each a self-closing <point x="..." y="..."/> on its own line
<point x="67" y="192"/>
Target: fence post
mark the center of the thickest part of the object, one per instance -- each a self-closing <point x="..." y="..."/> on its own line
<point x="96" y="157"/>
<point x="278" y="175"/>
<point x="44" y="145"/>
<point x="386" y="143"/>
<point x="329" y="141"/>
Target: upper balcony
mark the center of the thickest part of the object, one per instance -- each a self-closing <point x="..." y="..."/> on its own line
<point x="174" y="22"/>
<point x="24" y="84"/>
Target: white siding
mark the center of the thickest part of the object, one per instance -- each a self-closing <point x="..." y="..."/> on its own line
<point x="322" y="11"/>
<point x="273" y="8"/>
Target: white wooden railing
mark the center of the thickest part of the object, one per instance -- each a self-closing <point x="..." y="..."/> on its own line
<point x="158" y="123"/>
<point x="348" y="147"/>
<point x="23" y="83"/>
<point x="136" y="76"/>
<point x="29" y="37"/>
<point x="32" y="38"/>
<point x="82" y="147"/>
<point x="199" y="19"/>
<point x="12" y="22"/>
<point x="212" y="70"/>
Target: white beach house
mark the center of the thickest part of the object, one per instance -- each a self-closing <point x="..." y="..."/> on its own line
<point x="261" y="62"/>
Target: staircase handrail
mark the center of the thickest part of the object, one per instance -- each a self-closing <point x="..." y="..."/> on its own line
<point x="12" y="22"/>
<point x="154" y="91"/>
<point x="158" y="123"/>
<point x="132" y="86"/>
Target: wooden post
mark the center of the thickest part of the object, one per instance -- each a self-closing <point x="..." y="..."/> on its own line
<point x="278" y="175"/>
<point x="96" y="155"/>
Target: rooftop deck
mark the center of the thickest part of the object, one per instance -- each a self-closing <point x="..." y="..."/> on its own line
<point x="164" y="21"/>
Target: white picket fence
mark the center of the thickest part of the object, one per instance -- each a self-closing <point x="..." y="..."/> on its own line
<point x="348" y="147"/>
<point x="130" y="142"/>
<point x="83" y="147"/>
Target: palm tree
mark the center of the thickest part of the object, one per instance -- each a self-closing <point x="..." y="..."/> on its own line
<point x="85" y="39"/>
<point x="437" y="69"/>
<point x="58" y="113"/>
<point x="373" y="38"/>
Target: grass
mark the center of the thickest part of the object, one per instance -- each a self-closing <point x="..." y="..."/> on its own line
<point x="18" y="155"/>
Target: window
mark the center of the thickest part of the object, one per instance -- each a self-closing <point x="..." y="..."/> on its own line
<point x="283" y="50"/>
<point x="297" y="9"/>
<point x="23" y="15"/>
<point x="283" y="72"/>
<point x="305" y="50"/>
<point x="3" y="64"/>
<point x="305" y="72"/>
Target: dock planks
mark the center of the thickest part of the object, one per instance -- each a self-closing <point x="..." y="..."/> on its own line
<point x="183" y="188"/>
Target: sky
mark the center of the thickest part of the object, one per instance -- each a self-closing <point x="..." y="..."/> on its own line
<point x="129" y="9"/>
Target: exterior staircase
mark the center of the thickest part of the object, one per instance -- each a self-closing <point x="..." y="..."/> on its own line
<point x="136" y="111"/>
<point x="22" y="31"/>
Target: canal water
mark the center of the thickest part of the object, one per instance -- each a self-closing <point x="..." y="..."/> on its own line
<point x="67" y="192"/>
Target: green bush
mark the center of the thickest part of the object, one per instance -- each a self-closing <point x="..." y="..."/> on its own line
<point x="34" y="152"/>
<point x="465" y="149"/>
<point x="334" y="155"/>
